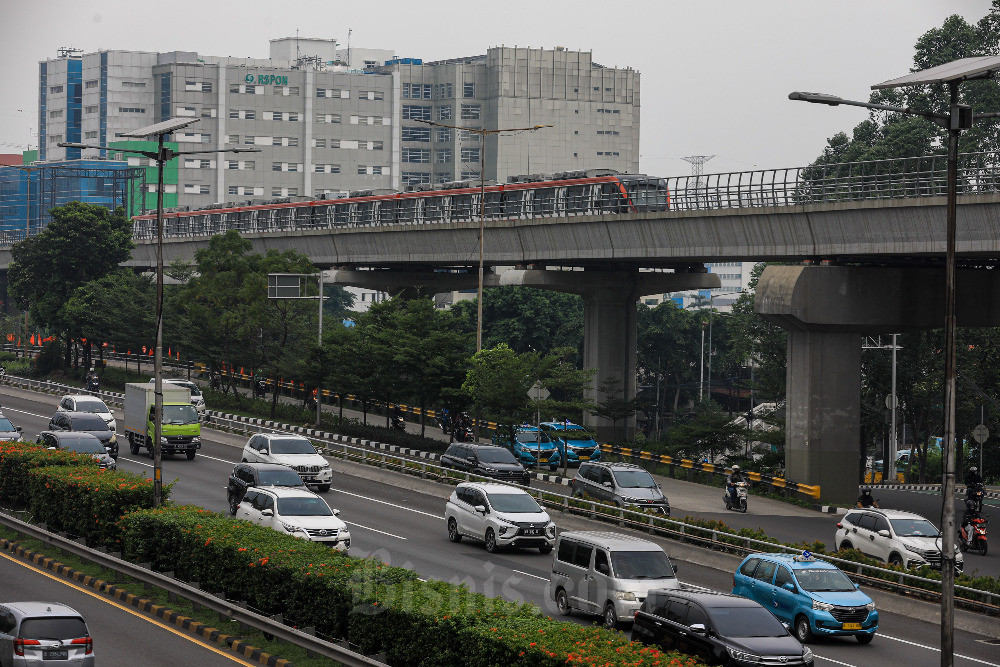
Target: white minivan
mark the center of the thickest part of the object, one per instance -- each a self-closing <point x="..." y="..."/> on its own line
<point x="500" y="516"/>
<point x="607" y="574"/>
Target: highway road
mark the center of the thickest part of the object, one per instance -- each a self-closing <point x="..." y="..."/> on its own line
<point x="121" y="635"/>
<point x="399" y="519"/>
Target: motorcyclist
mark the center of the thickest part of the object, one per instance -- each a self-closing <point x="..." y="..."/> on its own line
<point x="973" y="478"/>
<point x="444" y="420"/>
<point x="735" y="476"/>
<point x="92" y="380"/>
<point x="971" y="512"/>
<point x="866" y="499"/>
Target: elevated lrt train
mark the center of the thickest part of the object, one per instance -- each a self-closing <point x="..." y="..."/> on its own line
<point x="590" y="192"/>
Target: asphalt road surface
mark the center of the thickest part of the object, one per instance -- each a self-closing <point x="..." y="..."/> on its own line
<point x="400" y="520"/>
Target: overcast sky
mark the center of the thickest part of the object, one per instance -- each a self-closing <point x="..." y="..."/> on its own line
<point x="715" y="73"/>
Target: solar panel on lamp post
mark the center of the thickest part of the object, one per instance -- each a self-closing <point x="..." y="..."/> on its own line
<point x="162" y="155"/>
<point x="959" y="117"/>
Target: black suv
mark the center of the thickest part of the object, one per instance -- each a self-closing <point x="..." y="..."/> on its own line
<point x="621" y="485"/>
<point x="245" y="475"/>
<point x="718" y="628"/>
<point x="487" y="461"/>
<point x="86" y="422"/>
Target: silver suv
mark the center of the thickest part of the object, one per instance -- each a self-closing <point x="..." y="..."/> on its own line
<point x="44" y="633"/>
<point x="893" y="536"/>
<point x="619" y="484"/>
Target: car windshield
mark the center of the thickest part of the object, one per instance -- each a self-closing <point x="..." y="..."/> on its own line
<point x="641" y="565"/>
<point x="913" y="528"/>
<point x="280" y="478"/>
<point x="746" y="622"/>
<point x="516" y="503"/>
<point x="819" y="581"/>
<point x="496" y="455"/>
<point x="292" y="446"/>
<point x="303" y="507"/>
<point x="634" y="479"/>
<point x="91" y="405"/>
<point x="6" y="426"/>
<point x="532" y="437"/>
<point x="84" y="446"/>
<point x="572" y="433"/>
<point x="179" y="414"/>
<point x="88" y="422"/>
<point x="195" y="391"/>
<point x="53" y="627"/>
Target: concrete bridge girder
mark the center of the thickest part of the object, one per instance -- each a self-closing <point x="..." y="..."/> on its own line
<point x="825" y="311"/>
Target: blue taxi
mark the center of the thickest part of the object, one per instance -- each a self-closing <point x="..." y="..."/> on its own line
<point x="574" y="442"/>
<point x="531" y="447"/>
<point x="812" y="596"/>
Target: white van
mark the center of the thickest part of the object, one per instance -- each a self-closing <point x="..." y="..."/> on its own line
<point x="607" y="574"/>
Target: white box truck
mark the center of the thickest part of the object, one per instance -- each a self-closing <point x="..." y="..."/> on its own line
<point x="181" y="430"/>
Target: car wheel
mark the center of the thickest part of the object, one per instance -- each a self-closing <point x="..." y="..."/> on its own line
<point x="244" y="460"/>
<point x="491" y="541"/>
<point x="562" y="603"/>
<point x="453" y="533"/>
<point x="190" y="454"/>
<point x="610" y="617"/>
<point x="865" y="639"/>
<point x="133" y="446"/>
<point x="802" y="630"/>
<point x="323" y="488"/>
<point x="233" y="506"/>
<point x="545" y="549"/>
<point x="846" y="545"/>
<point x="896" y="559"/>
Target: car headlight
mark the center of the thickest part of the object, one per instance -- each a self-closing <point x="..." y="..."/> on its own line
<point x="807" y="653"/>
<point x="486" y="469"/>
<point x="163" y="439"/>
<point x="196" y="439"/>
<point x="625" y="595"/>
<point x="870" y="606"/>
<point x="113" y="440"/>
<point x="325" y="465"/>
<point x="737" y="654"/>
<point x="551" y="529"/>
<point x="822" y="606"/>
<point x="504" y="530"/>
<point x="291" y="528"/>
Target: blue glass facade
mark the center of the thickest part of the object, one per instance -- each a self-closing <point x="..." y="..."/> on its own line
<point x="43" y="90"/>
<point x="164" y="97"/>
<point x="74" y="108"/>
<point x="104" y="102"/>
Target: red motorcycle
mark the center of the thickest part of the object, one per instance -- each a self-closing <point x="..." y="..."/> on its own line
<point x="973" y="536"/>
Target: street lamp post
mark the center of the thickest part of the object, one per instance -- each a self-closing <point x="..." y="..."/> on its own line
<point x="162" y="155"/>
<point x="959" y="117"/>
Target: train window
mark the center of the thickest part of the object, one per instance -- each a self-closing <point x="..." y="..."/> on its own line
<point x="648" y="195"/>
<point x="543" y="201"/>
<point x="462" y="206"/>
<point x="341" y="214"/>
<point x="494" y="204"/>
<point x="434" y="209"/>
<point x="513" y="204"/>
<point x="578" y="199"/>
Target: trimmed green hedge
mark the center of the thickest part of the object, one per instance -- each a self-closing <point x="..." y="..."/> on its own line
<point x="18" y="458"/>
<point x="376" y="606"/>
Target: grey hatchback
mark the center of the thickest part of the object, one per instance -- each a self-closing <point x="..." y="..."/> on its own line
<point x="42" y="634"/>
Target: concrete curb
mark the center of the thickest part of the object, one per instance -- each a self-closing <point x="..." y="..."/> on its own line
<point x="146" y="606"/>
<point x="830" y="509"/>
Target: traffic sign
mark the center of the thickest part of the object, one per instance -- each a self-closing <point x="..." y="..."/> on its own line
<point x="891" y="402"/>
<point x="981" y="433"/>
<point x="538" y="392"/>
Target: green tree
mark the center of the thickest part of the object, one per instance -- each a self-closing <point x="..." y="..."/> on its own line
<point x="614" y="406"/>
<point x="669" y="349"/>
<point x="117" y="309"/>
<point x="82" y="243"/>
<point x="760" y="342"/>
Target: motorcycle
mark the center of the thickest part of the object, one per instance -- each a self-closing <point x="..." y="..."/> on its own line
<point x="93" y="383"/>
<point x="259" y="389"/>
<point x="463" y="434"/>
<point x="973" y="536"/>
<point x="398" y="424"/>
<point x="741" y="498"/>
<point x="975" y="493"/>
<point x="443" y="425"/>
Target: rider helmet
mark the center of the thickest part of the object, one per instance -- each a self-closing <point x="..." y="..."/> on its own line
<point x="736" y="468"/>
<point x="970" y="505"/>
<point x="973" y="469"/>
<point x="866" y="490"/>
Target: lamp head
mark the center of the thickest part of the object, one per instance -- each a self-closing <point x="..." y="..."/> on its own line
<point x="817" y="98"/>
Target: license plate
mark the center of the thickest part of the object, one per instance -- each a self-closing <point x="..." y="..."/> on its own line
<point x="851" y="626"/>
<point x="584" y="458"/>
<point x="55" y="654"/>
<point x="532" y="531"/>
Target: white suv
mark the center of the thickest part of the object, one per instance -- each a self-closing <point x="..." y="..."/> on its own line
<point x="893" y="536"/>
<point x="500" y="516"/>
<point x="197" y="398"/>
<point x="87" y="403"/>
<point x="293" y="451"/>
<point x="295" y="512"/>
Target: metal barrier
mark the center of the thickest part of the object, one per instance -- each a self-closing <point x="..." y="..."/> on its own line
<point x="195" y="595"/>
<point x="712" y="468"/>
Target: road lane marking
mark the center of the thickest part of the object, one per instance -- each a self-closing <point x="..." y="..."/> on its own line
<point x="375" y="530"/>
<point x="836" y="662"/>
<point x="122" y="607"/>
<point x="528" y="574"/>
<point x="383" y="502"/>
<point x="933" y="648"/>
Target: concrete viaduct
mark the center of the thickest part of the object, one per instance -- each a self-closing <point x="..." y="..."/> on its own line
<point x="863" y="267"/>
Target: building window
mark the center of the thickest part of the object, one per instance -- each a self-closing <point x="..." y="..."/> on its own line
<point x="326" y="168"/>
<point x="133" y="84"/>
<point x="416" y="112"/>
<point x="469" y="175"/>
<point x="422" y="134"/>
<point x="131" y="110"/>
<point x="58" y="113"/>
<point x="442" y="134"/>
<point x="415" y="177"/>
<point x="90" y="135"/>
<point x="375" y="145"/>
<point x="470" y="155"/>
<point x="276" y="141"/>
<point x="371" y="95"/>
<point x="232" y="139"/>
<point x="416" y="155"/>
<point x="417" y="91"/>
<point x="443" y="155"/>
<point x="55" y="89"/>
<point x="611" y="132"/>
<point x="195" y="189"/>
<point x="470" y="112"/>
<point x="321" y="92"/>
<point x="328" y="118"/>
<point x="466" y="135"/>
<point x="377" y="170"/>
<point x="91" y="109"/>
<point x="91" y="84"/>
<point x="444" y="113"/>
<point x="443" y="91"/>
<point x="468" y="90"/>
